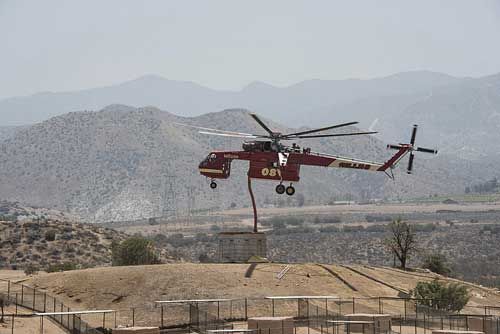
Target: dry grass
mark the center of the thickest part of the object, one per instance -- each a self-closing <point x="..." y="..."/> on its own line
<point x="122" y="288"/>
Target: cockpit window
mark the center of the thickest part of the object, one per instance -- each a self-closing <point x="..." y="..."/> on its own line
<point x="212" y="157"/>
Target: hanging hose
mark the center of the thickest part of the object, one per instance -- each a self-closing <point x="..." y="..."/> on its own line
<point x="253" y="204"/>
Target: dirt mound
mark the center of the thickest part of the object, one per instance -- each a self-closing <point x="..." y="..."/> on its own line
<point x="126" y="287"/>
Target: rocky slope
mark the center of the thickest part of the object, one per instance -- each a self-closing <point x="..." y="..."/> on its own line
<point x="46" y="243"/>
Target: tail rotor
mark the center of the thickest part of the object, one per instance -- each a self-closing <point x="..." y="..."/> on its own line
<point x="412" y="148"/>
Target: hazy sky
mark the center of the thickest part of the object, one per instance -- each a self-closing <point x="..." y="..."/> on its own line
<point x="65" y="45"/>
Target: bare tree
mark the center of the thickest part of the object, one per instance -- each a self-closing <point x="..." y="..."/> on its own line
<point x="401" y="241"/>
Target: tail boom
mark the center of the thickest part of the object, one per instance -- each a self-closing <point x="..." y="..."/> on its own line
<point x="403" y="150"/>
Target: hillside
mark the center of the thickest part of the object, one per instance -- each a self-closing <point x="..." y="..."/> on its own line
<point x="45" y="243"/>
<point x="124" y="163"/>
<point x="9" y="131"/>
<point x="122" y="288"/>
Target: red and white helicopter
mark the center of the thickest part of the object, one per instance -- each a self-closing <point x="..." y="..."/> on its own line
<point x="271" y="160"/>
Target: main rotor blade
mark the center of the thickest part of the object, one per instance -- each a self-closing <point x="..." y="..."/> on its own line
<point x="332" y="135"/>
<point x="413" y="135"/>
<point x="410" y="163"/>
<point x="215" y="130"/>
<point x="320" y="129"/>
<point x="394" y="147"/>
<point x="258" y="120"/>
<point x="231" y="135"/>
<point x="426" y="150"/>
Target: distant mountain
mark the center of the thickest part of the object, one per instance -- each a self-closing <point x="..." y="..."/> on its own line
<point x="288" y="104"/>
<point x="123" y="163"/>
<point x="457" y="115"/>
<point x="462" y="118"/>
<point x="9" y="131"/>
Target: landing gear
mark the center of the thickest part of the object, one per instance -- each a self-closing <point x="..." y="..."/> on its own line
<point x="280" y="189"/>
<point x="213" y="185"/>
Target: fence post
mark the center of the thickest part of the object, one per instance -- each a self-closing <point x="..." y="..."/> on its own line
<point x="22" y="294"/>
<point x="13" y="319"/>
<point x="246" y="308"/>
<point x="424" y="324"/>
<point x="161" y="316"/>
<point x="133" y="317"/>
<point x="353" y="305"/>
<point x="8" y="289"/>
<point x="44" y="301"/>
<point x="34" y="296"/>
<point x="379" y="306"/>
<point x="16" y="303"/>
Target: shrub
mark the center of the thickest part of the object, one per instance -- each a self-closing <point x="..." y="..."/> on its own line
<point x="329" y="229"/>
<point x="134" y="251"/>
<point x="353" y="228"/>
<point x="214" y="228"/>
<point x="66" y="266"/>
<point x="437" y="263"/>
<point x="327" y="220"/>
<point x="31" y="269"/>
<point x="439" y="296"/>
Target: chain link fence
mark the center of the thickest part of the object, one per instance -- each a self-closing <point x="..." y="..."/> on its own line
<point x="39" y="301"/>
<point x="309" y="314"/>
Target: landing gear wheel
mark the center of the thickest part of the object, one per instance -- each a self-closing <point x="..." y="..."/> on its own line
<point x="213" y="185"/>
<point x="280" y="189"/>
<point x="290" y="190"/>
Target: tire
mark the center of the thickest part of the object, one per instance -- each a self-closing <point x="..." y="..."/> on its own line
<point x="290" y="190"/>
<point x="280" y="189"/>
<point x="213" y="185"/>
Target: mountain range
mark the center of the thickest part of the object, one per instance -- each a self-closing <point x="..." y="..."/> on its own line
<point x="461" y="116"/>
<point x="126" y="163"/>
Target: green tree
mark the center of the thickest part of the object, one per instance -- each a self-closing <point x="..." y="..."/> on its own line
<point x="439" y="296"/>
<point x="401" y="241"/>
<point x="437" y="263"/>
<point x="134" y="251"/>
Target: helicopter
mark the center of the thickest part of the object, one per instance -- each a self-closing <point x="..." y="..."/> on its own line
<point x="270" y="159"/>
